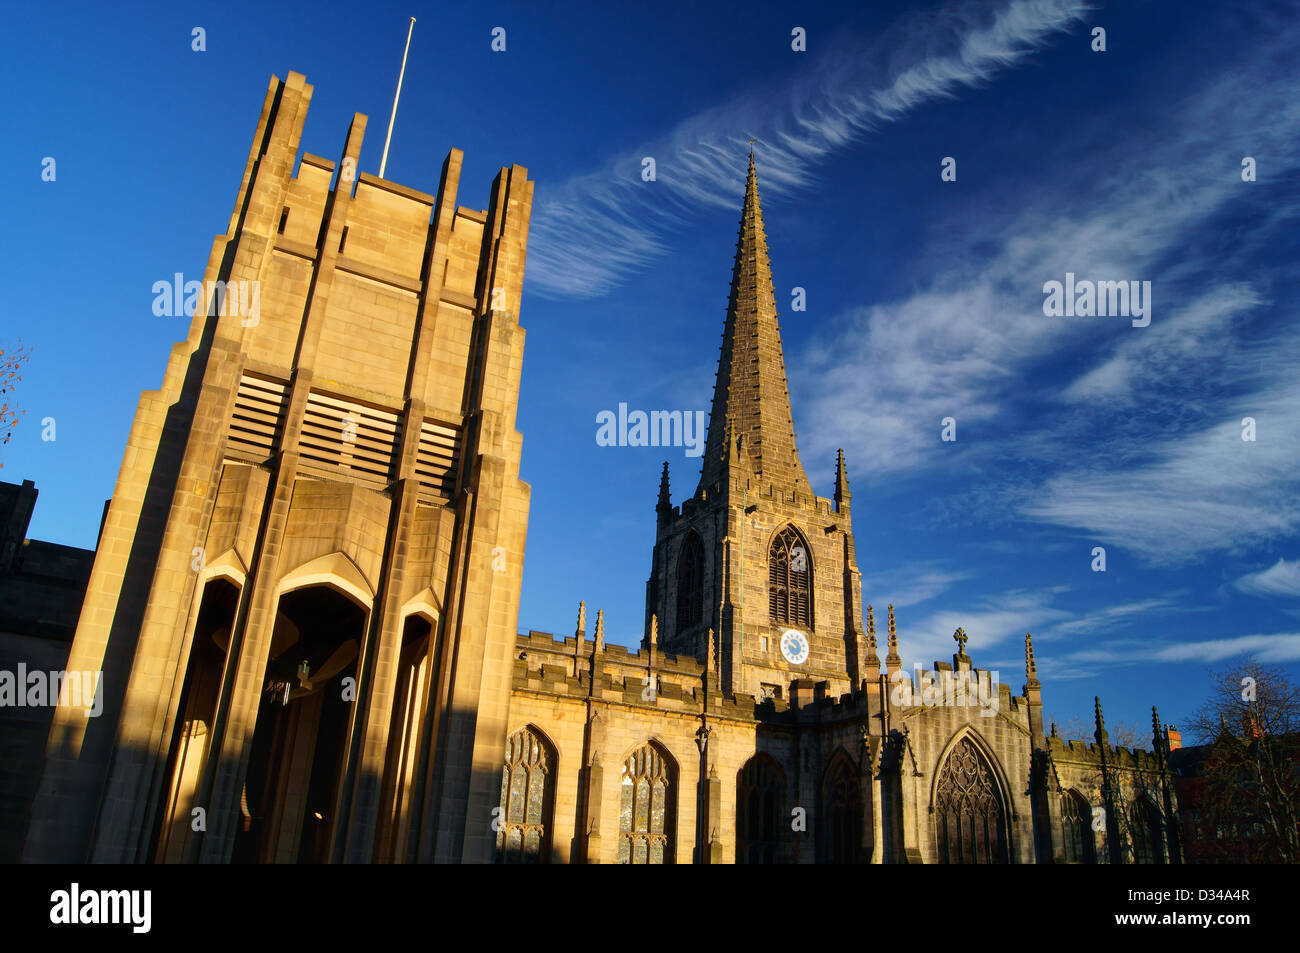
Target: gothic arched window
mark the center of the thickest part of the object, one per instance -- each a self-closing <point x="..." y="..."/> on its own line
<point x="527" y="793"/>
<point x="1145" y="831"/>
<point x="789" y="572"/>
<point x="1076" y="829"/>
<point x="647" y="795"/>
<point x="842" y="812"/>
<point x="760" y="812"/>
<point x="690" y="583"/>
<point x="970" y="822"/>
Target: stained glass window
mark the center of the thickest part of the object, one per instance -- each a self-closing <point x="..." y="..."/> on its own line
<point x="970" y="822"/>
<point x="1145" y="831"/>
<point x="789" y="572"/>
<point x="842" y="824"/>
<point x="690" y="584"/>
<point x="760" y="812"/>
<point x="1076" y="829"/>
<point x="645" y="810"/>
<point x="527" y="789"/>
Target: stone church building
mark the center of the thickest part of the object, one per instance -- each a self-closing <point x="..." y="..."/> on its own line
<point x="304" y="598"/>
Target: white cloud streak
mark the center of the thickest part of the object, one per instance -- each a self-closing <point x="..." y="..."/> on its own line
<point x="1281" y="580"/>
<point x="962" y="345"/>
<point x="589" y="233"/>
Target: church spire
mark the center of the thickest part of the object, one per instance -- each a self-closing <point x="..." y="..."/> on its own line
<point x="751" y="393"/>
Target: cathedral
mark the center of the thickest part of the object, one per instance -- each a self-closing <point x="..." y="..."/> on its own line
<point x="303" y="603"/>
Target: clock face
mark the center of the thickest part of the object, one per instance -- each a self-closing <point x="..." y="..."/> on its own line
<point x="794" y="646"/>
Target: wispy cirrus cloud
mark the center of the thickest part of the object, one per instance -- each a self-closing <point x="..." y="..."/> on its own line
<point x="1205" y="491"/>
<point x="591" y="232"/>
<point x="990" y="623"/>
<point x="1157" y="408"/>
<point x="1280" y="580"/>
<point x="1276" y="647"/>
<point x="910" y="585"/>
<point x="1111" y="617"/>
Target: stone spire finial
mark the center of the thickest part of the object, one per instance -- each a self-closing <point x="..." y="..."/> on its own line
<point x="1054" y="729"/>
<point x="1099" y="719"/>
<point x="708" y="660"/>
<point x="654" y="631"/>
<point x="1031" y="667"/>
<point x="842" y="494"/>
<point x="892" y="658"/>
<point x="871" y="635"/>
<point x="582" y="619"/>
<point x="665" y="505"/>
<point x="1155" y="728"/>
<point x="600" y="630"/>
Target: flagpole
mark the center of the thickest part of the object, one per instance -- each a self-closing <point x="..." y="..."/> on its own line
<point x="383" y="163"/>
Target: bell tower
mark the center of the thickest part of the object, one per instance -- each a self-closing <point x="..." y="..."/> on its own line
<point x="754" y="555"/>
<point x="304" y="599"/>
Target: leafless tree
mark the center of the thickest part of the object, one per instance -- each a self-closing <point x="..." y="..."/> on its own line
<point x="1249" y="783"/>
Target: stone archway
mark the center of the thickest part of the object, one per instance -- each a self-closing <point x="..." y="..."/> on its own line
<point x="288" y="804"/>
<point x="187" y="752"/>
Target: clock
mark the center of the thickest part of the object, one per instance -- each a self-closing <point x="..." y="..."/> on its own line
<point x="794" y="646"/>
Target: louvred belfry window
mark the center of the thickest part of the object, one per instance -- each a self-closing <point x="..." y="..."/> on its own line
<point x="789" y="573"/>
<point x="690" y="584"/>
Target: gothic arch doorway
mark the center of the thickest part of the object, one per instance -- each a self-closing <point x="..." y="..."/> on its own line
<point x="192" y="735"/>
<point x="288" y="804"/>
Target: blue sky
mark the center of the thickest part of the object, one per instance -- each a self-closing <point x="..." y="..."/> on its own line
<point x="924" y="297"/>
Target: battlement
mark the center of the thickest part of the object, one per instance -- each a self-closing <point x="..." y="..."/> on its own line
<point x="1090" y="754"/>
<point x="567" y="666"/>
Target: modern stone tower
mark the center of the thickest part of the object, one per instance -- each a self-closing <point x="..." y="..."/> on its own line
<point x="754" y="554"/>
<point x="304" y="599"/>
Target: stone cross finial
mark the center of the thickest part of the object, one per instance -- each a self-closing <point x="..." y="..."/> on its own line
<point x="961" y="637"/>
